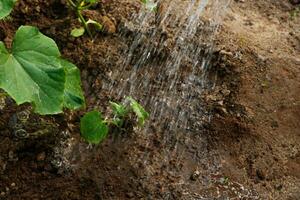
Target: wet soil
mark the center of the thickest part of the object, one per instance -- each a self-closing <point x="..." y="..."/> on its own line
<point x="248" y="150"/>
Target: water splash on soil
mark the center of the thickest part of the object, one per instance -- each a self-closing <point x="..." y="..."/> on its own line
<point x="166" y="64"/>
<point x="167" y="69"/>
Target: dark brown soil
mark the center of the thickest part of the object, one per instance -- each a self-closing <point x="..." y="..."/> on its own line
<point x="254" y="133"/>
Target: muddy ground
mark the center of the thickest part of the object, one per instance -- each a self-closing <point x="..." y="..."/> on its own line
<point x="254" y="133"/>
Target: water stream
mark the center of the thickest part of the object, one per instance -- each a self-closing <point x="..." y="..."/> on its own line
<point x="166" y="69"/>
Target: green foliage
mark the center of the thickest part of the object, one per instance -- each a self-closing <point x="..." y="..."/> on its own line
<point x="77" y="32"/>
<point x="150" y="5"/>
<point x="119" y="110"/>
<point x="6" y="7"/>
<point x="78" y="6"/>
<point x="33" y="71"/>
<point x="140" y="112"/>
<point x="94" y="129"/>
<point x="73" y="95"/>
<point x="295" y="13"/>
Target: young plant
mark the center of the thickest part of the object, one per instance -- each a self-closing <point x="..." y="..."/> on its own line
<point x="150" y="5"/>
<point x="78" y="6"/>
<point x="94" y="129"/>
<point x="6" y="7"/>
<point x="33" y="71"/>
<point x="295" y="13"/>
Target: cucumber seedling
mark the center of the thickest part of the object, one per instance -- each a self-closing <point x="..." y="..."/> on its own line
<point x="78" y="6"/>
<point x="94" y="128"/>
<point x="33" y="71"/>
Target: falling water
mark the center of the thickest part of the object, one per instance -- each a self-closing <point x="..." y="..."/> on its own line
<point x="166" y="64"/>
<point x="166" y="69"/>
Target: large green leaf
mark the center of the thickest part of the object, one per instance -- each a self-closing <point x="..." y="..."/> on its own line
<point x="93" y="128"/>
<point x="6" y="7"/>
<point x="32" y="72"/>
<point x="73" y="95"/>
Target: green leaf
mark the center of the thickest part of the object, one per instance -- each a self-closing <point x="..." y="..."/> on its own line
<point x="93" y="128"/>
<point x="32" y="72"/>
<point x="118" y="122"/>
<point x="90" y="1"/>
<point x="77" y="32"/>
<point x="6" y="7"/>
<point x="97" y="25"/>
<point x="118" y="109"/>
<point x="73" y="95"/>
<point x="150" y="5"/>
<point x="140" y="112"/>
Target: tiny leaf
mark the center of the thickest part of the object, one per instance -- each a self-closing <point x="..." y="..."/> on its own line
<point x="150" y="5"/>
<point x="140" y="112"/>
<point x="98" y="26"/>
<point x="93" y="128"/>
<point x="118" y="109"/>
<point x="118" y="122"/>
<point x="77" y="32"/>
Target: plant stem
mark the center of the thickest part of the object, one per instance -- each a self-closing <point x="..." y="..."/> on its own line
<point x="72" y="4"/>
<point x="85" y="7"/>
<point x="84" y="23"/>
<point x="78" y="9"/>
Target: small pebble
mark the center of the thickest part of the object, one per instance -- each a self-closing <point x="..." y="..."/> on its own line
<point x="41" y="156"/>
<point x="195" y="175"/>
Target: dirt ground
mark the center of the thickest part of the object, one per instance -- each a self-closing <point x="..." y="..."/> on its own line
<point x="250" y="149"/>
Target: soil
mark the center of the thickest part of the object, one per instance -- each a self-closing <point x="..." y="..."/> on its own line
<point x="249" y="149"/>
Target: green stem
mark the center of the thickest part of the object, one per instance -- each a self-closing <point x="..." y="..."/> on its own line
<point x="85" y="7"/>
<point x="72" y="4"/>
<point x="84" y="23"/>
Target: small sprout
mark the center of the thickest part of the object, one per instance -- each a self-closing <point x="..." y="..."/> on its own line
<point x="150" y="5"/>
<point x="140" y="112"/>
<point x="224" y="180"/>
<point x="94" y="128"/>
<point x="119" y="110"/>
<point x="78" y="6"/>
<point x="295" y="13"/>
<point x="98" y="26"/>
